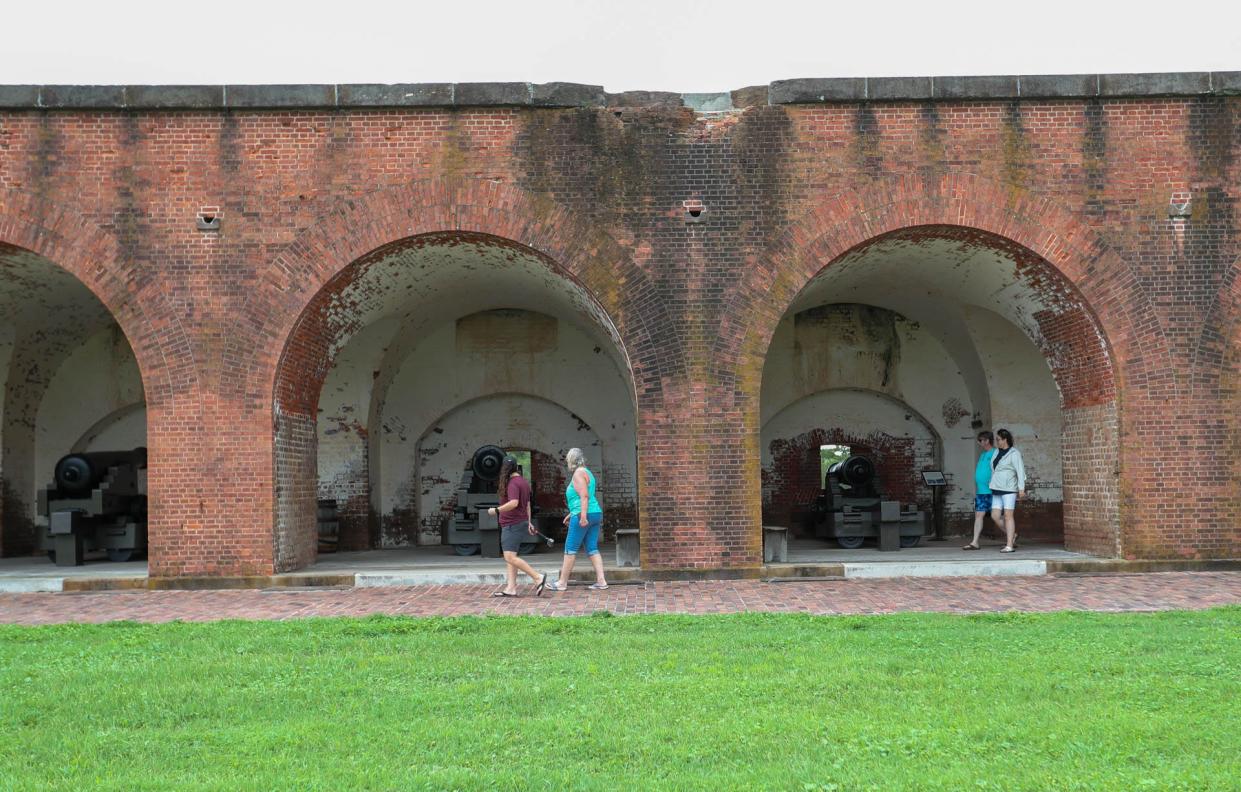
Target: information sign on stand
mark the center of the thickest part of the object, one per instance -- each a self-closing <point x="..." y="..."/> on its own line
<point x="936" y="481"/>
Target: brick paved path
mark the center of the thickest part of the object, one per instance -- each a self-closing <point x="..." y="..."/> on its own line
<point x="1159" y="591"/>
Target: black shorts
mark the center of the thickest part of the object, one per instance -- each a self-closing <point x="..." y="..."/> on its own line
<point x="513" y="536"/>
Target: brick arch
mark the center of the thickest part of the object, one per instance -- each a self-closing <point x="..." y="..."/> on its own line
<point x="359" y="226"/>
<point x="1216" y="400"/>
<point x="1217" y="354"/>
<point x="1111" y="295"/>
<point x="71" y="242"/>
<point x="842" y="223"/>
<point x="283" y="308"/>
<point x="153" y="329"/>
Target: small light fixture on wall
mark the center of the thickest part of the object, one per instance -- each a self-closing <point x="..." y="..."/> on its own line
<point x="694" y="210"/>
<point x="208" y="218"/>
<point x="1180" y="211"/>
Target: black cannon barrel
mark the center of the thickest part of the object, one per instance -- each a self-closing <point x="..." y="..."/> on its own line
<point x="80" y="473"/>
<point x="487" y="462"/>
<point x="856" y="471"/>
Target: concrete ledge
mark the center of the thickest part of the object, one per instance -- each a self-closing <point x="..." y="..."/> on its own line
<point x="1170" y="84"/>
<point x="631" y="575"/>
<point x="19" y="96"/>
<point x="950" y="88"/>
<point x="895" y="88"/>
<point x="400" y="95"/>
<point x="174" y="97"/>
<point x="1113" y="566"/>
<point x="976" y="87"/>
<point x="247" y="582"/>
<point x="488" y="94"/>
<point x="279" y="96"/>
<point x="1057" y="86"/>
<point x="891" y="569"/>
<point x="86" y="97"/>
<point x="1226" y="83"/>
<point x="839" y="89"/>
<point x="428" y="578"/>
<point x="28" y="585"/>
<point x="737" y="573"/>
<point x="564" y="94"/>
<point x="105" y="584"/>
<point x="785" y="572"/>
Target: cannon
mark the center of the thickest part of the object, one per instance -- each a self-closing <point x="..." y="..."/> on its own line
<point x="851" y="508"/>
<point x="95" y="502"/>
<point x="472" y="530"/>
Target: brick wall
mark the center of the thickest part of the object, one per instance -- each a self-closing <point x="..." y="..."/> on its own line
<point x="1081" y="188"/>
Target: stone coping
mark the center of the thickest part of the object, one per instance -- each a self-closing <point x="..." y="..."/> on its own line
<point x="772" y="573"/>
<point x="562" y="94"/>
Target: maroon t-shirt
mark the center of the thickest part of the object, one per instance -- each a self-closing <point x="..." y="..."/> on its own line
<point x="519" y="489"/>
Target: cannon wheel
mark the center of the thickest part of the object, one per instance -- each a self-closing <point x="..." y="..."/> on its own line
<point x="466" y="549"/>
<point x="850" y="542"/>
<point x="910" y="541"/>
<point x="527" y="548"/>
<point x="120" y="556"/>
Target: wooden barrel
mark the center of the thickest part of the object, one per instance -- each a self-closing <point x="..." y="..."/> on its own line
<point x="329" y="526"/>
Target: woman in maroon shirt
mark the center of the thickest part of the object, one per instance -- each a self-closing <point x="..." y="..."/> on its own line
<point x="515" y="527"/>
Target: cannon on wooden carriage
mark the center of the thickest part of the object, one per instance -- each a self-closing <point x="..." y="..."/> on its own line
<point x="851" y="508"/>
<point x="95" y="502"/>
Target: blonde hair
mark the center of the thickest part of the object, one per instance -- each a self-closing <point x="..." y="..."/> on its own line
<point x="575" y="458"/>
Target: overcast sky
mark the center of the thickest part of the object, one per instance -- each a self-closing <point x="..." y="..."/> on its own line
<point x="671" y="45"/>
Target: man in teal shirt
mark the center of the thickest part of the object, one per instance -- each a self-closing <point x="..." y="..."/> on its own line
<point x="982" y="483"/>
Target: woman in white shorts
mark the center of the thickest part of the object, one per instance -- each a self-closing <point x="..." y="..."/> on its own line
<point x="1008" y="483"/>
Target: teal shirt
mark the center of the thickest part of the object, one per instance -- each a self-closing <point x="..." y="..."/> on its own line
<point x="574" y="502"/>
<point x="982" y="472"/>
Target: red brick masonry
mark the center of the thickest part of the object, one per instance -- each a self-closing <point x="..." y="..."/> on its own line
<point x="1137" y="592"/>
<point x="1117" y="192"/>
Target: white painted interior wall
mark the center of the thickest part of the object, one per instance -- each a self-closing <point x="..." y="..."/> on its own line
<point x="420" y="331"/>
<point x="94" y="402"/>
<point x="509" y="420"/>
<point x="831" y="372"/>
<point x="969" y="334"/>
<point x="504" y="389"/>
<point x="1024" y="399"/>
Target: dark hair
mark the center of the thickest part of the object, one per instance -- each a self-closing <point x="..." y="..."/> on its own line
<point x="1007" y="435"/>
<point x="986" y="435"/>
<point x="506" y="472"/>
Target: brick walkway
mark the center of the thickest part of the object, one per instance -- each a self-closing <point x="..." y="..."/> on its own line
<point x="1158" y="591"/>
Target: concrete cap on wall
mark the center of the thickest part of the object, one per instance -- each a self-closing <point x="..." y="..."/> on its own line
<point x="562" y="94"/>
<point x="878" y="89"/>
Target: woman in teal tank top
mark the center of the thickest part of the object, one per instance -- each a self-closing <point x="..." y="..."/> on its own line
<point x="584" y="521"/>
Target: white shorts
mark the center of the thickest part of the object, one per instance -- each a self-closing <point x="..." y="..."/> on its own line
<point x="1006" y="502"/>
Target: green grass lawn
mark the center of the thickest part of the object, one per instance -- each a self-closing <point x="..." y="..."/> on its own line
<point x="751" y="701"/>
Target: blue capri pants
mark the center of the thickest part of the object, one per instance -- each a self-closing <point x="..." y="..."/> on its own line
<point x="589" y="534"/>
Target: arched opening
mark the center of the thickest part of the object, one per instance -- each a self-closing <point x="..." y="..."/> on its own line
<point x="911" y="343"/>
<point x="71" y="385"/>
<point x="416" y="352"/>
<point x="830" y="425"/>
<point x="537" y="430"/>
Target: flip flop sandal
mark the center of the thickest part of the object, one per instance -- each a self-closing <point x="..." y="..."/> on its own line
<point x="971" y="547"/>
<point x="597" y="587"/>
<point x="502" y="594"/>
<point x="1007" y="550"/>
<point x="538" y="590"/>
